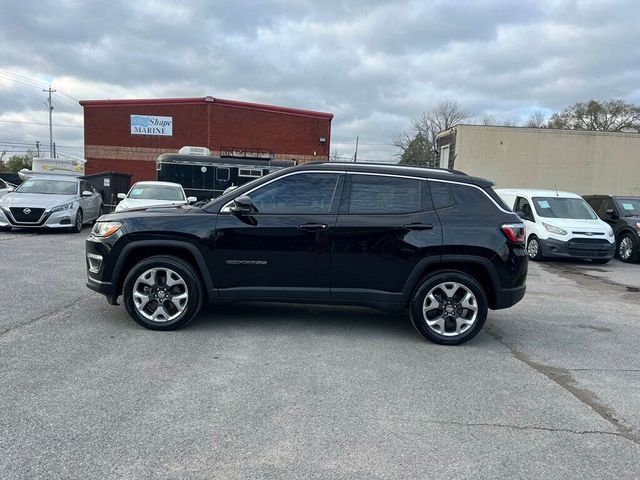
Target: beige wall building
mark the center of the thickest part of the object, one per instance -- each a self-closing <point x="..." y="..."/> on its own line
<point x="575" y="161"/>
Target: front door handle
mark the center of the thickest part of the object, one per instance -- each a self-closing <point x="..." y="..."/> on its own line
<point x="313" y="227"/>
<point x="417" y="226"/>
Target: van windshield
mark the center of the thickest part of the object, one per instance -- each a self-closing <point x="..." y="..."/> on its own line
<point x="560" y="207"/>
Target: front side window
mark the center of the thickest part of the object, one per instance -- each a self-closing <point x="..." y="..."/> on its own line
<point x="156" y="192"/>
<point x="377" y="194"/>
<point x="50" y="187"/>
<point x="561" y="207"/>
<point x="629" y="207"/>
<point x="299" y="193"/>
<point x="522" y="206"/>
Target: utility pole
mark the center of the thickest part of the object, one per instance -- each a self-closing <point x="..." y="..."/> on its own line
<point x="355" y="156"/>
<point x="38" y="148"/>
<point x="50" y="91"/>
<point x="54" y="151"/>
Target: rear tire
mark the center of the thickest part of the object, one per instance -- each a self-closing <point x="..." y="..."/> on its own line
<point x="449" y="308"/>
<point x="163" y="293"/>
<point x="534" y="249"/>
<point x="627" y="249"/>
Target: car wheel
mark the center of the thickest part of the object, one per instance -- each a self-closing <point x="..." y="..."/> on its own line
<point x="628" y="250"/>
<point x="77" y="225"/>
<point x="162" y="293"/>
<point x="449" y="308"/>
<point x="534" y="249"/>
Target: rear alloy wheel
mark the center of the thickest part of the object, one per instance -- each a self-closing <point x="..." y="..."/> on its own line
<point x="162" y="293"/>
<point x="534" y="250"/>
<point x="449" y="308"/>
<point x="77" y="225"/>
<point x="628" y="250"/>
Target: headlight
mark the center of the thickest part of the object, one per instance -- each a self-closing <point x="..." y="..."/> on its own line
<point x="554" y="229"/>
<point x="66" y="206"/>
<point x="638" y="226"/>
<point x="610" y="232"/>
<point x="105" y="229"/>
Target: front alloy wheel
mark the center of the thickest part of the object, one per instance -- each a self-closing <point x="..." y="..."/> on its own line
<point x="449" y="308"/>
<point x="628" y="250"/>
<point x="162" y="292"/>
<point x="534" y="251"/>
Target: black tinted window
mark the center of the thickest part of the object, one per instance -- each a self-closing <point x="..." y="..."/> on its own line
<point x="301" y="193"/>
<point x="472" y="200"/>
<point x="440" y="194"/>
<point x="387" y="195"/>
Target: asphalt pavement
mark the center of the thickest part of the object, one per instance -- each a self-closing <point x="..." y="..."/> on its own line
<point x="550" y="389"/>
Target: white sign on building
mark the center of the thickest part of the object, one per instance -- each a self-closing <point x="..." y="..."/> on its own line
<point x="148" y="125"/>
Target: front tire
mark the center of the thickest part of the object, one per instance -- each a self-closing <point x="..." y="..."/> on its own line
<point x="162" y="293"/>
<point x="449" y="308"/>
<point x="77" y="226"/>
<point x="534" y="249"/>
<point x="628" y="249"/>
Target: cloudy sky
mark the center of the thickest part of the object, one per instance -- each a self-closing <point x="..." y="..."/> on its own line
<point x="375" y="64"/>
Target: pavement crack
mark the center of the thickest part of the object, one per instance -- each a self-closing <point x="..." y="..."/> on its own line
<point x="622" y="370"/>
<point x="525" y="427"/>
<point x="563" y="378"/>
<point x="45" y="315"/>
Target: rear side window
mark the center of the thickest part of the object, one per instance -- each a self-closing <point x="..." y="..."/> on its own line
<point x="441" y="194"/>
<point x="472" y="200"/>
<point x="376" y="194"/>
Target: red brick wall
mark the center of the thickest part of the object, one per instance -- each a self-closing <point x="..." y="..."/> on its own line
<point x="198" y="123"/>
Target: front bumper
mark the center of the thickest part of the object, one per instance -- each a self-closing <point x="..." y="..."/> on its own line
<point x="61" y="219"/>
<point x="588" y="248"/>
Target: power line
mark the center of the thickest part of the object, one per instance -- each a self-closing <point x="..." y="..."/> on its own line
<point x="45" y="124"/>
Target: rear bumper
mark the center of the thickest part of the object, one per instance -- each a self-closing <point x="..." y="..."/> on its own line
<point x="508" y="297"/>
<point x="578" y="248"/>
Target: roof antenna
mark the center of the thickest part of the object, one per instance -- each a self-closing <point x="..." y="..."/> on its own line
<point x="556" y="187"/>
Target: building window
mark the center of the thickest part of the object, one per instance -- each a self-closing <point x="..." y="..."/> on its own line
<point x="249" y="172"/>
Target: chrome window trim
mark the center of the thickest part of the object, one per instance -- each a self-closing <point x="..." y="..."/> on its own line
<point x="474" y="186"/>
<point x="227" y="206"/>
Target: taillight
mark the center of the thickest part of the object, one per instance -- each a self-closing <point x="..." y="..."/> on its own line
<point x="515" y="232"/>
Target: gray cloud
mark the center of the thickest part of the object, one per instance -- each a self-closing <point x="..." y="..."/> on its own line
<point x="376" y="65"/>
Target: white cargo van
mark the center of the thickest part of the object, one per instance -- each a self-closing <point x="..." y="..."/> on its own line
<point x="560" y="224"/>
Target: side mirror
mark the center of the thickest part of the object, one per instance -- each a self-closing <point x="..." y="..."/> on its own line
<point x="192" y="199"/>
<point x="87" y="193"/>
<point x="242" y="205"/>
<point x="122" y="196"/>
<point x="611" y="213"/>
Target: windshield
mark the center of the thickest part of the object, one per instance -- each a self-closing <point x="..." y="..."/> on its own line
<point x="48" y="186"/>
<point x="629" y="207"/>
<point x="156" y="192"/>
<point x="560" y="207"/>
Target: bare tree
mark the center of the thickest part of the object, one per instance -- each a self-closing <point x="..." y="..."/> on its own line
<point x="536" y="120"/>
<point x="607" y="116"/>
<point x="336" y="156"/>
<point x="417" y="147"/>
<point x="489" y="120"/>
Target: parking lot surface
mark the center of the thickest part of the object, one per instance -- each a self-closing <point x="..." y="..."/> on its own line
<point x="550" y="389"/>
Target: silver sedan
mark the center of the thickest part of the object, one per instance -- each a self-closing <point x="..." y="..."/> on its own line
<point x="50" y="201"/>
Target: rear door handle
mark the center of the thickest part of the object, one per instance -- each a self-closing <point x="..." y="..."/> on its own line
<point x="313" y="227"/>
<point x="417" y="226"/>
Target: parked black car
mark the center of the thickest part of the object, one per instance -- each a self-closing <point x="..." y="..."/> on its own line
<point x="441" y="243"/>
<point x="623" y="214"/>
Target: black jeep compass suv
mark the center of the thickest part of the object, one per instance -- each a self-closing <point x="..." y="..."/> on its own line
<point x="439" y="242"/>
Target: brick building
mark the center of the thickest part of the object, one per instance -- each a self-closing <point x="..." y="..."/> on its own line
<point x="128" y="135"/>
